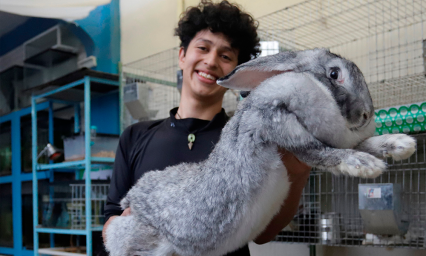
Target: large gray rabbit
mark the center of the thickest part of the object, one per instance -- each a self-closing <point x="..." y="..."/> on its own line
<point x="313" y="103"/>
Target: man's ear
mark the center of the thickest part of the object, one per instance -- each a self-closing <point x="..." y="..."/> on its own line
<point x="181" y="57"/>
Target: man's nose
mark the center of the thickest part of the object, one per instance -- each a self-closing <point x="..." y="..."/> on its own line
<point x="211" y="59"/>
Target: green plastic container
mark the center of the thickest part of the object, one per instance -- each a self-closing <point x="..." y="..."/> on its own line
<point x="402" y="119"/>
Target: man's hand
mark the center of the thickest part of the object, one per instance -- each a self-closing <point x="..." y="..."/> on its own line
<point x="298" y="174"/>
<point x="126" y="212"/>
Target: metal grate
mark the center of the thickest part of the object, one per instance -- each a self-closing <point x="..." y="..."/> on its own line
<point x="159" y="71"/>
<point x="304" y="227"/>
<point x="160" y="68"/>
<point x="77" y="209"/>
<point x="329" y="207"/>
<point x="385" y="38"/>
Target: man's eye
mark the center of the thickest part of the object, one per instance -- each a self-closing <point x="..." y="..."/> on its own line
<point x="202" y="48"/>
<point x="226" y="57"/>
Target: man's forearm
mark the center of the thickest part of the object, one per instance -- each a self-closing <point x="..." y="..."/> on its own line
<point x="287" y="211"/>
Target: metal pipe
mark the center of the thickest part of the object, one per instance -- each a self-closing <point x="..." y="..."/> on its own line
<point x="77" y="117"/>
<point x="87" y="165"/>
<point x="104" y="81"/>
<point x="34" y="165"/>
<point x="51" y="177"/>
<point x="120" y="96"/>
<point x="16" y="184"/>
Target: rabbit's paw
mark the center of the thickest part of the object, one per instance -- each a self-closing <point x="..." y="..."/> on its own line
<point x="399" y="146"/>
<point x="360" y="164"/>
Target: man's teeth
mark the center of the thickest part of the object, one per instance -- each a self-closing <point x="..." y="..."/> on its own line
<point x="207" y="76"/>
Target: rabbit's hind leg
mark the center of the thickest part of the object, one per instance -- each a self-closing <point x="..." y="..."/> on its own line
<point x="126" y="237"/>
<point x="119" y="234"/>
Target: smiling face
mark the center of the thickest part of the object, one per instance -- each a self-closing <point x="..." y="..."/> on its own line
<point x="208" y="57"/>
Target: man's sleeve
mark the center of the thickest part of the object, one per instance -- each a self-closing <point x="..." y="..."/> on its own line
<point x="121" y="176"/>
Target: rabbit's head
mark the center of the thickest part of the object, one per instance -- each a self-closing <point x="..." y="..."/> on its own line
<point x="339" y="87"/>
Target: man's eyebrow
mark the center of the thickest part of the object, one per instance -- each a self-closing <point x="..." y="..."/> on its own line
<point x="226" y="48"/>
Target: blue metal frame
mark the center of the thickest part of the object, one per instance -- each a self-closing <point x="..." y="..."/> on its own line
<point x="87" y="162"/>
<point x="16" y="186"/>
<point x="88" y="155"/>
<point x="11" y="251"/>
<point x="17" y="177"/>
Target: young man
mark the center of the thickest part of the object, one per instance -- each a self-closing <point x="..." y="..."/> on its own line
<point x="215" y="38"/>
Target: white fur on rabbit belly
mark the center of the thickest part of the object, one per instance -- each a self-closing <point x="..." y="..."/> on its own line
<point x="256" y="214"/>
<point x="260" y="212"/>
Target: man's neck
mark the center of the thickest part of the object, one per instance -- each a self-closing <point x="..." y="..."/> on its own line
<point x="196" y="109"/>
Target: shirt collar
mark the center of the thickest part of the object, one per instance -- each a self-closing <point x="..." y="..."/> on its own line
<point x="192" y="124"/>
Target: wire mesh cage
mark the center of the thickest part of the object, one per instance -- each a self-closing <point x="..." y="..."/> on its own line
<point x="386" y="39"/>
<point x="77" y="206"/>
<point x="329" y="209"/>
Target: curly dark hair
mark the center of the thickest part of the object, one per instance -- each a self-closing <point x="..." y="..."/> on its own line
<point x="239" y="27"/>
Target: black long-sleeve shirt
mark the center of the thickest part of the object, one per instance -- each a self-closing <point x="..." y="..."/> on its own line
<point x="154" y="145"/>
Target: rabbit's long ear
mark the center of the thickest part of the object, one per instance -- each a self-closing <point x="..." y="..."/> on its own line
<point x="249" y="75"/>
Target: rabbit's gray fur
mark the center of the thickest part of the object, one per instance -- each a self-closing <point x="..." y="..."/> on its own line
<point x="222" y="203"/>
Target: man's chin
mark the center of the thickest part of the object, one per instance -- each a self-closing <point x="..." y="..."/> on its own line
<point x="209" y="95"/>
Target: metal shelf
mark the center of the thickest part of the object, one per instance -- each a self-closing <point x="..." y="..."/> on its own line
<point x="65" y="231"/>
<point x="58" y="252"/>
<point x="89" y="86"/>
<point x="75" y="164"/>
<point x="71" y="86"/>
<point x="62" y="231"/>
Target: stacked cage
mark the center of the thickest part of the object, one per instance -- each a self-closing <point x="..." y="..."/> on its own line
<point x="77" y="209"/>
<point x="386" y="39"/>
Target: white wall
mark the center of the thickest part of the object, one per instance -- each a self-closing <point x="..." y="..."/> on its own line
<point x="147" y="25"/>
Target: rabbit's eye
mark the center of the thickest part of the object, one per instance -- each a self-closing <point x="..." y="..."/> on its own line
<point x="334" y="74"/>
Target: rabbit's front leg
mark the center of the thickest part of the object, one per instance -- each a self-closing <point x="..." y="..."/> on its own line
<point x="397" y="146"/>
<point x="342" y="161"/>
